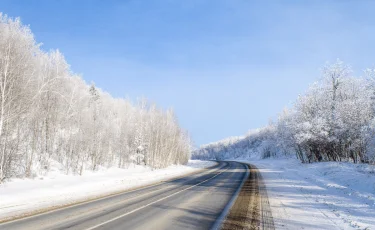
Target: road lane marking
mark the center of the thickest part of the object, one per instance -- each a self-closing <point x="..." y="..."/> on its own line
<point x="144" y="206"/>
<point x="228" y="207"/>
<point x="126" y="191"/>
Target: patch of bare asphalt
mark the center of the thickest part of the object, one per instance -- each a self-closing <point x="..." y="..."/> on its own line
<point x="251" y="209"/>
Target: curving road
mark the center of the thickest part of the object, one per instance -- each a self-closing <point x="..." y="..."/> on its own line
<point x="197" y="201"/>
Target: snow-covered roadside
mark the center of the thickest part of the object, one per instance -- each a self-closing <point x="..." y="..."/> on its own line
<point x="22" y="196"/>
<point x="328" y="195"/>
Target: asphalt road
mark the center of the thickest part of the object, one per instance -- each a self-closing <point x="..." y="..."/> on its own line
<point x="197" y="201"/>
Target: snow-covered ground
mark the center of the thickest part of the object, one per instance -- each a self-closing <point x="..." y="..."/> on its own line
<point x="328" y="195"/>
<point x="21" y="196"/>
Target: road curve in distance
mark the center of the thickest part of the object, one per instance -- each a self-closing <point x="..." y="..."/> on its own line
<point x="192" y="202"/>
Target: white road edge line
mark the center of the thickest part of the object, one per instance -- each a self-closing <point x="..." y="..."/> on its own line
<point x="227" y="208"/>
<point x="129" y="190"/>
<point x="144" y="206"/>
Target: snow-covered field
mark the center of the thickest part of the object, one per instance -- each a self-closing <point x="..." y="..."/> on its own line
<point x="21" y="196"/>
<point x="329" y="195"/>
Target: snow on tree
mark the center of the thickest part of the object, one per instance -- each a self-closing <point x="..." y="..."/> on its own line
<point x="333" y="121"/>
<point x="49" y="114"/>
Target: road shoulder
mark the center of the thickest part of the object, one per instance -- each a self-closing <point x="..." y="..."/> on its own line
<point x="326" y="195"/>
<point x="251" y="209"/>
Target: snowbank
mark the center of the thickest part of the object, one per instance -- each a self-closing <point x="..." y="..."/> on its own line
<point x="21" y="196"/>
<point x="330" y="195"/>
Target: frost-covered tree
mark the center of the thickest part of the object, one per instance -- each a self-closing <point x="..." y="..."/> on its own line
<point x="18" y="52"/>
<point x="50" y="115"/>
<point x="332" y="121"/>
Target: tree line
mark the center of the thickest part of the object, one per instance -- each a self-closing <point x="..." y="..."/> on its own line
<point x="48" y="113"/>
<point x="333" y="121"/>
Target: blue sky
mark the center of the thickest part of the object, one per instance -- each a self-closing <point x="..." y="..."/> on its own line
<point x="224" y="66"/>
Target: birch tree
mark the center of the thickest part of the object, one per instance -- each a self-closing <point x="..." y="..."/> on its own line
<point x="49" y="115"/>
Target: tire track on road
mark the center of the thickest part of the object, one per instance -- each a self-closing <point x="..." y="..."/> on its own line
<point x="251" y="209"/>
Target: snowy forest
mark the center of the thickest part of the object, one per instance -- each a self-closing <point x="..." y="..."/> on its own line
<point x="333" y="121"/>
<point x="49" y="114"/>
